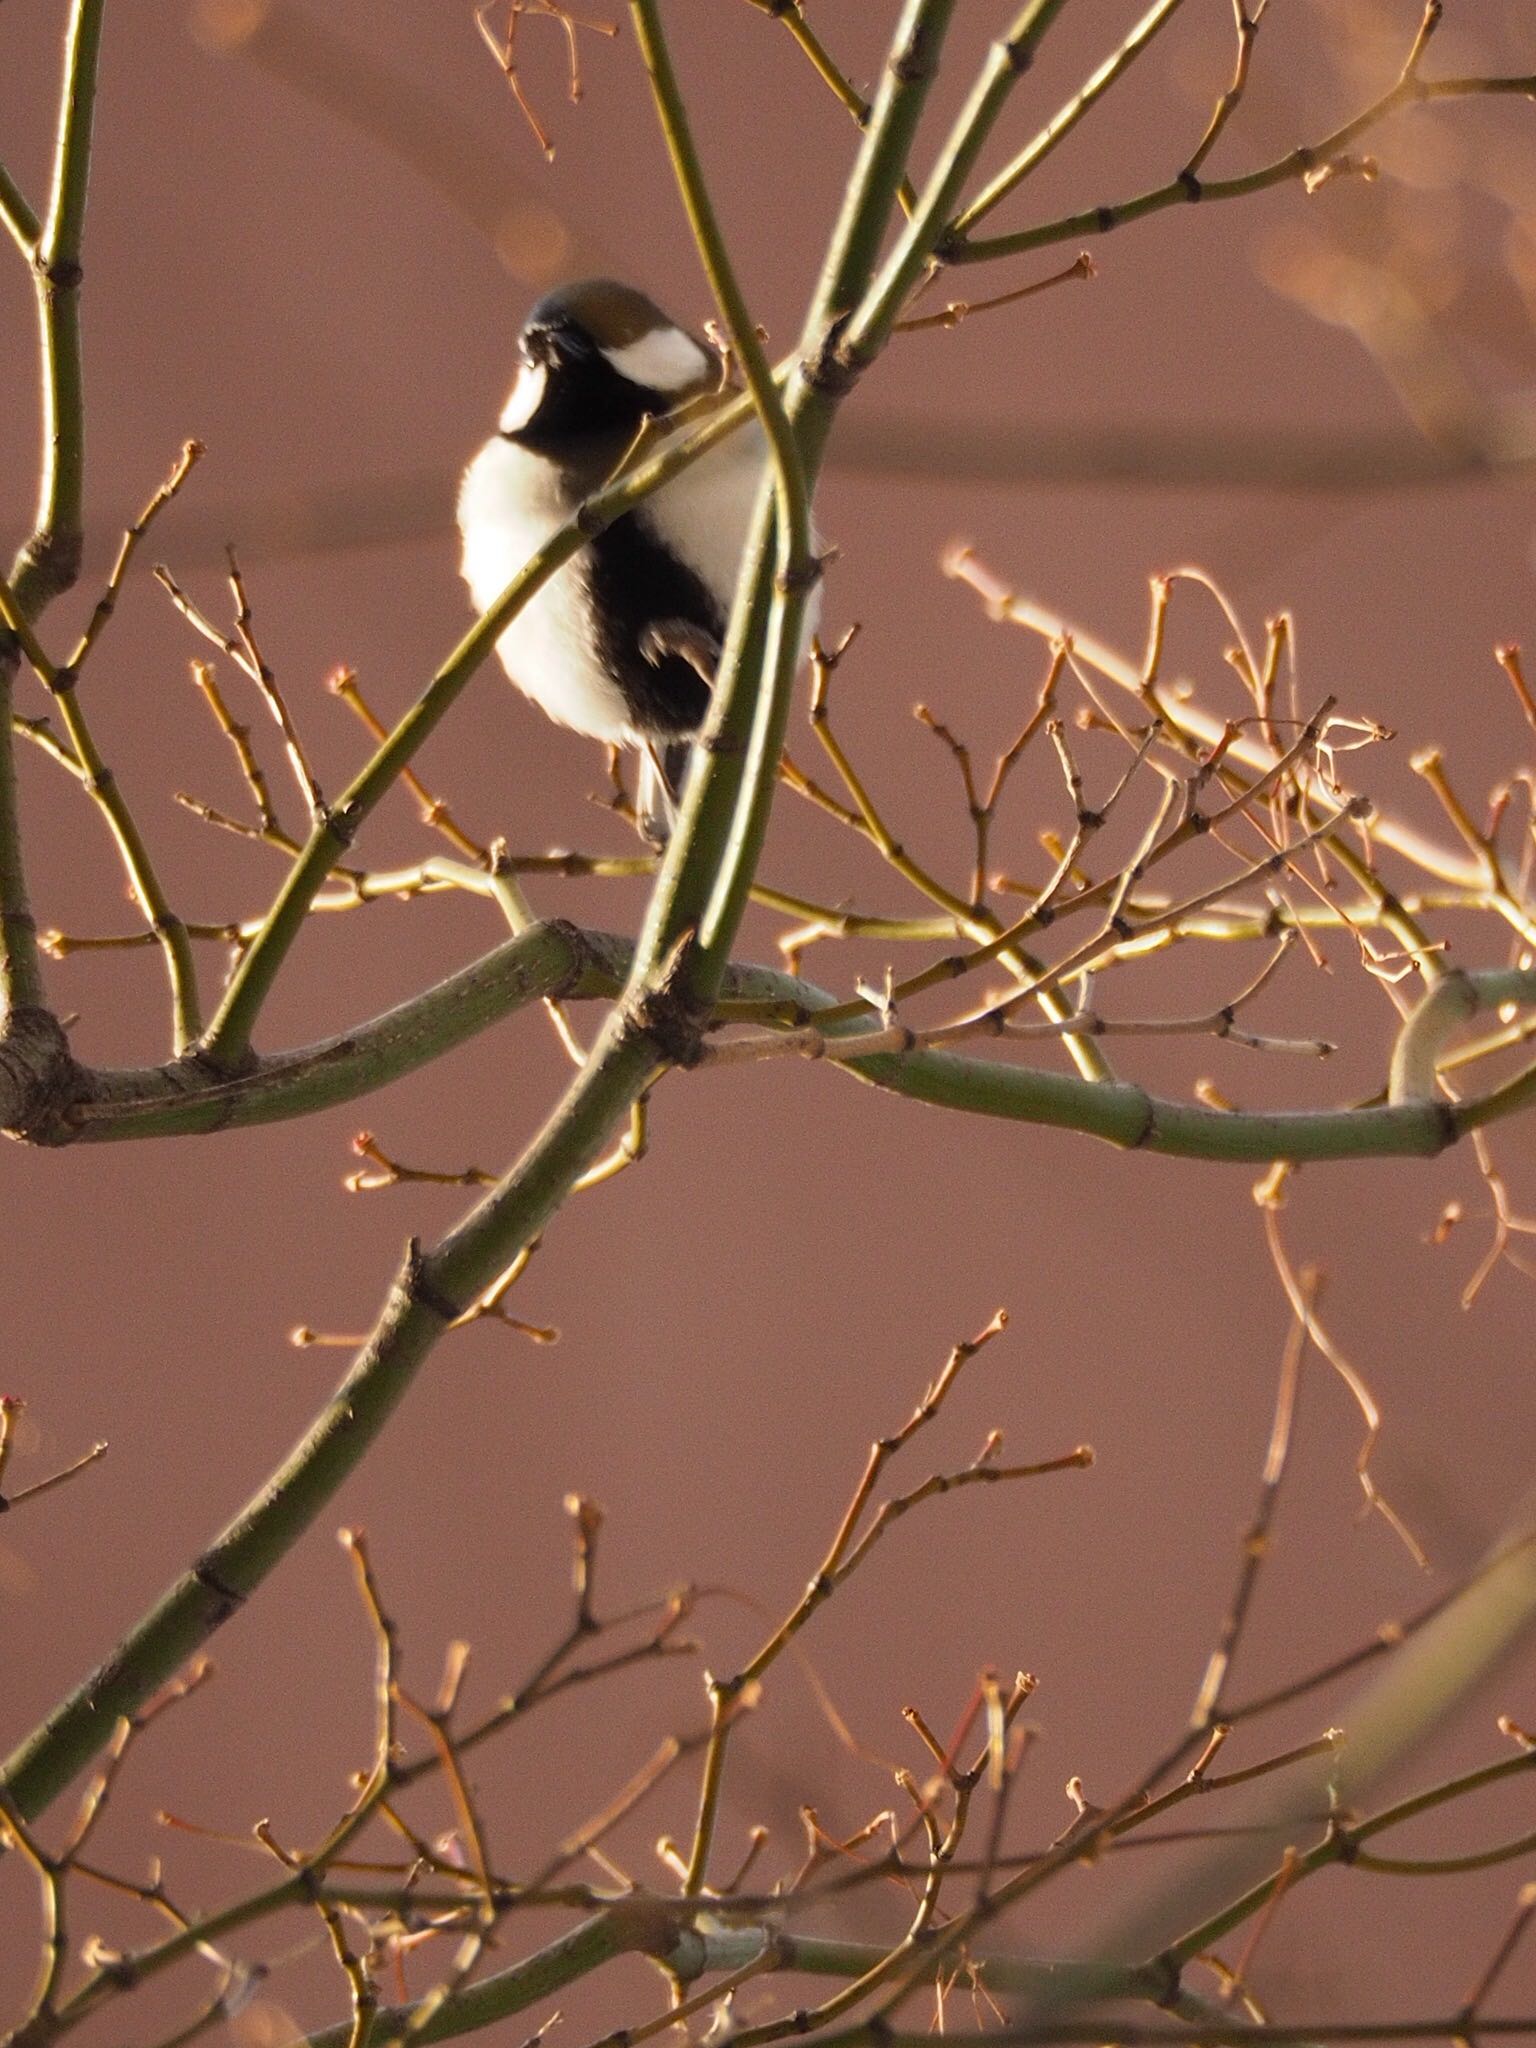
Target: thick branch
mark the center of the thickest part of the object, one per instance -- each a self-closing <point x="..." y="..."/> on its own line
<point x="50" y="559"/>
<point x="693" y="1952"/>
<point x="513" y="1990"/>
<point x="561" y="961"/>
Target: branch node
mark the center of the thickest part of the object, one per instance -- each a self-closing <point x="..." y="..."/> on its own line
<point x="1343" y="1841"/>
<point x="421" y="1290"/>
<point x="669" y="1014"/>
<point x="1147" y="1130"/>
<point x="1018" y="52"/>
<point x="63" y="273"/>
<point x="341" y="822"/>
<point x="40" y="1083"/>
<point x="230" y="1598"/>
<point x="1168" y="1976"/>
<point x="803" y="575"/>
<point x="826" y="369"/>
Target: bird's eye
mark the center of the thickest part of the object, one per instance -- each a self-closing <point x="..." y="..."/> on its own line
<point x="563" y="342"/>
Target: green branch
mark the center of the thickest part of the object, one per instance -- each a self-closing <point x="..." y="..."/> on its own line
<point x="21" y="976"/>
<point x="563" y="1961"/>
<point x="1203" y="2033"/>
<point x="703" y="886"/>
<point x="1455" y="999"/>
<point x="693" y="1952"/>
<point x="545" y="960"/>
<point x="774" y="649"/>
<point x="1341" y="1843"/>
<point x="746" y="344"/>
<point x="559" y="960"/>
<point x="1009" y="58"/>
<point x="1061" y="124"/>
<point x="17" y="215"/>
<point x="1188" y="190"/>
<point x="169" y="930"/>
<point x="1131" y="1117"/>
<point x="773" y="621"/>
<point x="1429" y="1678"/>
<point x="50" y="559"/>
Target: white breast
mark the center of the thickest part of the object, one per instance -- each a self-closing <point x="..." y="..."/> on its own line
<point x="510" y="503"/>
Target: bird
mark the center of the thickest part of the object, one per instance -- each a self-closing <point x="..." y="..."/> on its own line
<point x="623" y="641"/>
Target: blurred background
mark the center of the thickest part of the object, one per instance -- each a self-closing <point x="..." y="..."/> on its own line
<point x="313" y="233"/>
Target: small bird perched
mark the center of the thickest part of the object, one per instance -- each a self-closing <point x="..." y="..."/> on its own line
<point x="623" y="641"/>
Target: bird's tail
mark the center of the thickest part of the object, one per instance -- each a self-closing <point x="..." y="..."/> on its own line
<point x="663" y="777"/>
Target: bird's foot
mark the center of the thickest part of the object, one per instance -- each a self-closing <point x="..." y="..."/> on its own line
<point x="680" y="637"/>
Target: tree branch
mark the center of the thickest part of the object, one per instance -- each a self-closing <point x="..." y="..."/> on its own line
<point x="50" y="559"/>
<point x="560" y="960"/>
<point x="1061" y="124"/>
<point x="1187" y="189"/>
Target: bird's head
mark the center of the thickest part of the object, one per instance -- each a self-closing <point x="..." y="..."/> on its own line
<point x="597" y="359"/>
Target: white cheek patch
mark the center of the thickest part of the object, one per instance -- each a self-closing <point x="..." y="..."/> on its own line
<point x="663" y="360"/>
<point x="526" y="396"/>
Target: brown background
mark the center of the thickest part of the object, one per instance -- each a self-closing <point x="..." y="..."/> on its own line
<point x="771" y="1288"/>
